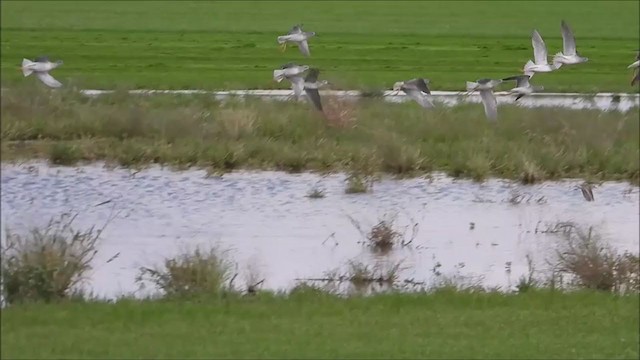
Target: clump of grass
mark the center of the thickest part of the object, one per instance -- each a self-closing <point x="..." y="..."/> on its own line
<point x="358" y="183"/>
<point x="360" y="277"/>
<point x="531" y="173"/>
<point x="340" y="113"/>
<point x="236" y="123"/>
<point x="64" y="154"/>
<point x="383" y="236"/>
<point x="592" y="264"/>
<point x="196" y="273"/>
<point x="316" y="193"/>
<point x="399" y="159"/>
<point x="363" y="277"/>
<point x="47" y="263"/>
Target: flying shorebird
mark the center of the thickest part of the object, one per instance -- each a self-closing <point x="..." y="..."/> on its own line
<point x="636" y="71"/>
<point x="569" y="54"/>
<point x="41" y="67"/>
<point x="296" y="35"/>
<point x="311" y="85"/>
<point x="587" y="191"/>
<point x="540" y="56"/>
<point x="293" y="73"/>
<point x="417" y="89"/>
<point x="485" y="88"/>
<point x="523" y="87"/>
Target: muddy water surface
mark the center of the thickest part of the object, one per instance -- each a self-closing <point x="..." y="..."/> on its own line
<point x="273" y="229"/>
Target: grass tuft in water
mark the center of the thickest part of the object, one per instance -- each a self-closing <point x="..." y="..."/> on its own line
<point x="316" y="193"/>
<point x="590" y="263"/>
<point x="384" y="236"/>
<point x="358" y="184"/>
<point x="64" y="154"/>
<point x="48" y="263"/>
<point x="202" y="272"/>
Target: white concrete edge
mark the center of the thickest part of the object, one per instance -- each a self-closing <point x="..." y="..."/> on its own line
<point x="354" y="93"/>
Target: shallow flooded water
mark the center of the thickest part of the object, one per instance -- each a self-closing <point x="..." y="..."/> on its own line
<point x="272" y="228"/>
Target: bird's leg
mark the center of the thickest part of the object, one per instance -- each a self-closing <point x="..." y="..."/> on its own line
<point x="283" y="47"/>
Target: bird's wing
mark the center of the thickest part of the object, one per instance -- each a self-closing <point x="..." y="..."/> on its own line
<point x="539" y="48"/>
<point x="521" y="80"/>
<point x="48" y="80"/>
<point x="297" y="84"/>
<point x="296" y="29"/>
<point x="42" y="59"/>
<point x="314" y="95"/>
<point x="312" y="75"/>
<point x="288" y="65"/>
<point x="417" y="95"/>
<point x="494" y="83"/>
<point x="490" y="104"/>
<point x="304" y="48"/>
<point x="568" y="40"/>
<point x="420" y="84"/>
<point x="636" y="77"/>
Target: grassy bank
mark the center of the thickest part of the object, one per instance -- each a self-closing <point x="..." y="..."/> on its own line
<point x="369" y="136"/>
<point x="440" y="325"/>
<point x="232" y="44"/>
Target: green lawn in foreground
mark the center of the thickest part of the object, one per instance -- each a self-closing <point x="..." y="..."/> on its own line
<point x="442" y="325"/>
<point x="226" y="44"/>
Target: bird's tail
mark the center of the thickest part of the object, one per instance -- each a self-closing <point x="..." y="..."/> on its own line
<point x="25" y="64"/>
<point x="528" y="66"/>
<point x="278" y="75"/>
<point x="556" y="59"/>
<point x="282" y="39"/>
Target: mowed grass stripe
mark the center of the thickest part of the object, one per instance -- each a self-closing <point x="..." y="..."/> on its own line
<point x="359" y="44"/>
<point x="305" y="325"/>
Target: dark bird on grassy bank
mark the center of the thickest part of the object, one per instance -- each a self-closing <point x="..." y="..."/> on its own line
<point x="299" y="37"/>
<point x="417" y="89"/>
<point x="485" y="88"/>
<point x="41" y="67"/>
<point x="523" y="87"/>
<point x="311" y="85"/>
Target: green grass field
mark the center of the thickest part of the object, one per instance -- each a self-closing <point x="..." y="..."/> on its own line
<point x="370" y="45"/>
<point x="539" y="325"/>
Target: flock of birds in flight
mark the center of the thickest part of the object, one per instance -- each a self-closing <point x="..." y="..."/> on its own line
<point x="417" y="88"/>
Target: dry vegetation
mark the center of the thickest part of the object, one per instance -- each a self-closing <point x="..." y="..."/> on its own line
<point x="587" y="261"/>
<point x="363" y="137"/>
<point x="48" y="263"/>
